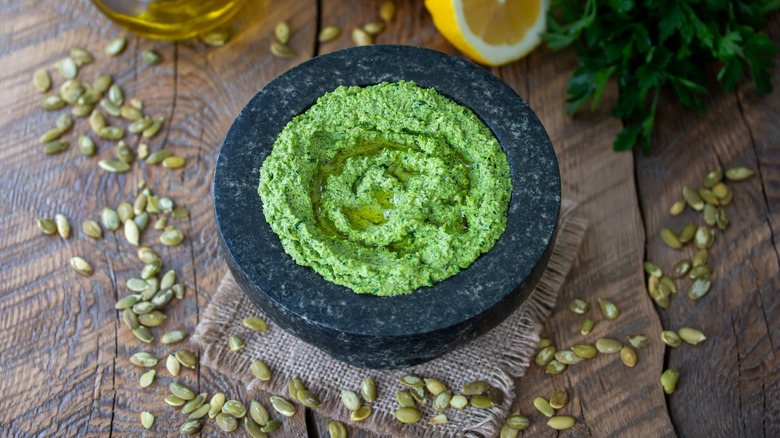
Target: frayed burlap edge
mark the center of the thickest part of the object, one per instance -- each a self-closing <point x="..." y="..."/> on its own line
<point x="500" y="356"/>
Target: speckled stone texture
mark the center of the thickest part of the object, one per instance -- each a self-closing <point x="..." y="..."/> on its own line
<point x="387" y="332"/>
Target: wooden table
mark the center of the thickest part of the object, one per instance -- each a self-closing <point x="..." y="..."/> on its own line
<point x="64" y="367"/>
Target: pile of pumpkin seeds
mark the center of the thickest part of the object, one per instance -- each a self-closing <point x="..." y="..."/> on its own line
<point x="711" y="200"/>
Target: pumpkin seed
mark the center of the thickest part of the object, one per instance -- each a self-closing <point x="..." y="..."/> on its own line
<point x="585" y="351"/>
<point x="258" y="412"/>
<point x="216" y="404"/>
<point x="652" y="269"/>
<point x="153" y="128"/>
<point x="235" y="343"/>
<point x="67" y="68"/>
<point x="701" y="271"/>
<point x="161" y="223"/>
<point x="703" y="237"/>
<point x="191" y="427"/>
<point x="143" y="334"/>
<point x="126" y="302"/>
<point x="458" y="401"/>
<point x="282" y="406"/>
<point x="255" y="323"/>
<point x="97" y="121"/>
<point x="699" y="288"/>
<point x="438" y="419"/>
<point x="294" y="386"/>
<point x="361" y="38"/>
<point x="272" y="426"/>
<point x="544" y="407"/>
<point x="707" y="195"/>
<point x="55" y="146"/>
<point x="404" y="398"/>
<point x="216" y="38"/>
<point x="639" y="341"/>
<point x="147" y="255"/>
<point x="116" y="46"/>
<point x="282" y="32"/>
<point x="351" y="400"/>
<point x="143" y="359"/>
<point x="699" y="258"/>
<point x="669" y="380"/>
<point x="519" y="422"/>
<point x="171" y="237"/>
<point x="628" y="356"/>
<point x="435" y="386"/>
<point x="138" y="126"/>
<point x="681" y="268"/>
<point x="578" y="306"/>
<point x="110" y="108"/>
<point x="411" y="381"/>
<point x="691" y="335"/>
<point x="147" y="419"/>
<point x="568" y="357"/>
<point x="374" y="28"/>
<point x="111" y="133"/>
<point x="234" y="408"/>
<point x="327" y="34"/>
<point x="368" y="389"/>
<point x="116" y="96"/>
<point x="63" y="227"/>
<point x="64" y="122"/>
<point x="86" y="145"/>
<point x="662" y="301"/>
<point x="555" y="367"/>
<point x="387" y="11"/>
<point x="687" y="233"/>
<point x="173" y="337"/>
<point x="308" y="399"/>
<point x="81" y="56"/>
<point x="608" y="309"/>
<point x="199" y="413"/>
<point x="561" y="422"/>
<point x="129" y="113"/>
<point x="50" y="135"/>
<point x="181" y="391"/>
<point x="173" y="365"/>
<point x="693" y="199"/>
<point x="132" y="234"/>
<point x="253" y="429"/>
<point x="166" y="204"/>
<point x="587" y="327"/>
<point x="670" y="238"/>
<point x="475" y="388"/>
<point x="153" y="286"/>
<point x="172" y="400"/>
<point x="558" y="399"/>
<point x="114" y="166"/>
<point x="677" y="208"/>
<point x="670" y="338"/>
<point x="544" y="342"/>
<point x="407" y="415"/>
<point x="607" y="345"/>
<point x="721" y="219"/>
<point x="180" y="213"/>
<point x="227" y="423"/>
<point x="418" y="394"/>
<point x="53" y="102"/>
<point x="155" y="318"/>
<point x="46" y="225"/>
<point x="720" y="190"/>
<point x="81" y="110"/>
<point x="713" y="177"/>
<point x="178" y="291"/>
<point x="337" y="430"/>
<point x="168" y="279"/>
<point x="147" y="378"/>
<point x="143" y="307"/>
<point x="281" y="50"/>
<point x="42" y="80"/>
<point x="81" y="266"/>
<point x="481" y="402"/>
<point x="187" y="358"/>
<point x="92" y="229"/>
<point x="151" y="57"/>
<point x="130" y="319"/>
<point x="739" y="173"/>
<point x="442" y="400"/>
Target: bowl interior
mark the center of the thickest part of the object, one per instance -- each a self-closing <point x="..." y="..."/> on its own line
<point x="256" y="250"/>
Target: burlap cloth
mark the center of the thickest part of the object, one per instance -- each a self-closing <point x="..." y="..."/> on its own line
<point x="500" y="356"/>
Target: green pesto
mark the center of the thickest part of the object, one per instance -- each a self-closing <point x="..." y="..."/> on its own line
<point x="386" y="188"/>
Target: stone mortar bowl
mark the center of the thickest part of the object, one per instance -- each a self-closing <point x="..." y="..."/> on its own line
<point x="387" y="332"/>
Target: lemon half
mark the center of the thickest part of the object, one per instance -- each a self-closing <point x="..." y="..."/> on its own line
<point x="492" y="32"/>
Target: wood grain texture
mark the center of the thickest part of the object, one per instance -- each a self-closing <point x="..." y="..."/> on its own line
<point x="64" y="368"/>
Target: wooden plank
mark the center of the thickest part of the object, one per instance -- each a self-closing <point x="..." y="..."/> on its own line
<point x="60" y="330"/>
<point x="729" y="383"/>
<point x="607" y="398"/>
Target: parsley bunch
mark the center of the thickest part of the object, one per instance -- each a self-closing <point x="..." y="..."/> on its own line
<point x="655" y="44"/>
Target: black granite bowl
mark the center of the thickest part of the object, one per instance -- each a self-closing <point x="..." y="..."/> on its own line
<point x="387" y="332"/>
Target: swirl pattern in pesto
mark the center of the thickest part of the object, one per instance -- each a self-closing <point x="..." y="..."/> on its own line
<point x="386" y="188"/>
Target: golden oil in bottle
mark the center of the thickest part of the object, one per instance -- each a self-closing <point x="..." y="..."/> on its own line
<point x="169" y="19"/>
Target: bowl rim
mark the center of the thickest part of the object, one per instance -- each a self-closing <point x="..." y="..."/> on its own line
<point x="298" y="291"/>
